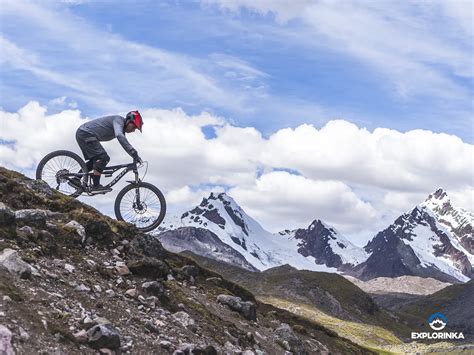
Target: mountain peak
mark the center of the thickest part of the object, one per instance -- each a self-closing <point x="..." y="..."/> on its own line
<point x="440" y="195"/>
<point x="437" y="200"/>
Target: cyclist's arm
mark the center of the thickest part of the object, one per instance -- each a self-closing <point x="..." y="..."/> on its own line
<point x="118" y="129"/>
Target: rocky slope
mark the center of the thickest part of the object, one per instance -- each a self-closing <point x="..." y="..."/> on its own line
<point x="456" y="302"/>
<point x="418" y="244"/>
<point x="73" y="280"/>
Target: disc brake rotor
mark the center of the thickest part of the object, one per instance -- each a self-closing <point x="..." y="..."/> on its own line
<point x="140" y="208"/>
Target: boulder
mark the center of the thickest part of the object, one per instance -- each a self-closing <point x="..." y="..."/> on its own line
<point x="149" y="267"/>
<point x="7" y="216"/>
<point x="7" y="222"/>
<point x="285" y="334"/>
<point x="148" y="245"/>
<point x="10" y="259"/>
<point x="154" y="288"/>
<point x="183" y="318"/>
<point x="38" y="186"/>
<point x="247" y="309"/>
<point x="79" y="228"/>
<point x="103" y="336"/>
<point x="6" y="341"/>
<point x="32" y="217"/>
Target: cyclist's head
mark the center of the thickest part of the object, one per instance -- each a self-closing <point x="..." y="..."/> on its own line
<point x="135" y="118"/>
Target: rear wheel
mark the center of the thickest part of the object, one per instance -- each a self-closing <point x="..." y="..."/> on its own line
<point x="141" y="204"/>
<point x="57" y="169"/>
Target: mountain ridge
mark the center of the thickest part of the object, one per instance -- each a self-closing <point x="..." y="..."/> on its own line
<point x="431" y="240"/>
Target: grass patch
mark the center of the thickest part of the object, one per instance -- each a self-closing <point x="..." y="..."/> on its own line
<point x="366" y="335"/>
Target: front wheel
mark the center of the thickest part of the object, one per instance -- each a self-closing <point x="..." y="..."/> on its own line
<point x="141" y="204"/>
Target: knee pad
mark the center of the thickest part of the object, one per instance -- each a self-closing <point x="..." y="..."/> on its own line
<point x="101" y="162"/>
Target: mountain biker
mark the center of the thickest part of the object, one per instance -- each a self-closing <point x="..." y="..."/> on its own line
<point x="90" y="134"/>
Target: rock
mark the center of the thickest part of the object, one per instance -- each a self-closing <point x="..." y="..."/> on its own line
<point x="190" y="270"/>
<point x="185" y="348"/>
<point x="110" y="293"/>
<point x="82" y="288"/>
<point x="122" y="270"/>
<point x="183" y="318"/>
<point x="24" y="336"/>
<point x="150" y="325"/>
<point x="7" y="222"/>
<point x="149" y="267"/>
<point x="166" y="344"/>
<point x="154" y="288"/>
<point x="103" y="336"/>
<point x="247" y="309"/>
<point x="79" y="228"/>
<point x="39" y="186"/>
<point x="100" y="230"/>
<point x="133" y="292"/>
<point x="33" y="217"/>
<point x="209" y="350"/>
<point x="26" y="230"/>
<point x="6" y="341"/>
<point x="48" y="242"/>
<point x="7" y="216"/>
<point x="248" y="352"/>
<point x="102" y="321"/>
<point x="10" y="259"/>
<point x="105" y="351"/>
<point x="231" y="348"/>
<point x="69" y="268"/>
<point x="81" y="336"/>
<point x="289" y="339"/>
<point x="148" y="245"/>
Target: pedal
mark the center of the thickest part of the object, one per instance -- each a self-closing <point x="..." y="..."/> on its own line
<point x="99" y="192"/>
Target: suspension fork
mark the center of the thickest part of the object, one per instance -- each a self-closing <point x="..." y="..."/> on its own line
<point x="137" y="190"/>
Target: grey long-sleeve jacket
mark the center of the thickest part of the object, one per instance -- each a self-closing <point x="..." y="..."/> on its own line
<point x="108" y="128"/>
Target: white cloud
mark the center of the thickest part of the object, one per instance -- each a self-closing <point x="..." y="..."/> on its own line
<point x="413" y="161"/>
<point x="282" y="200"/>
<point x="350" y="177"/>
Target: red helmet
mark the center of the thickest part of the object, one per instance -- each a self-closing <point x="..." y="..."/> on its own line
<point x="136" y="118"/>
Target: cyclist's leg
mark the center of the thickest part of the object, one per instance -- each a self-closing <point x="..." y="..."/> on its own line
<point x="99" y="163"/>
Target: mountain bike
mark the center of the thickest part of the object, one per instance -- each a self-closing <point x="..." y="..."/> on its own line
<point x="139" y="203"/>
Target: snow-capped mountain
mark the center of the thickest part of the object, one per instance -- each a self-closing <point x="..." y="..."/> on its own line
<point x="457" y="221"/>
<point x="326" y="245"/>
<point x="228" y="222"/>
<point x="422" y="242"/>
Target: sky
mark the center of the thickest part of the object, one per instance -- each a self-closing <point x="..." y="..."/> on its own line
<point x="347" y="111"/>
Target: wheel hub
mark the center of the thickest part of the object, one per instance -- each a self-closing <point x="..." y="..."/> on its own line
<point x="61" y="176"/>
<point x="140" y="208"/>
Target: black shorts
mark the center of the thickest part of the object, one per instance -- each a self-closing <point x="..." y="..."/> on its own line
<point x="89" y="144"/>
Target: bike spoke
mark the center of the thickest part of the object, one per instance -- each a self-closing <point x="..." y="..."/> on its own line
<point x="150" y="203"/>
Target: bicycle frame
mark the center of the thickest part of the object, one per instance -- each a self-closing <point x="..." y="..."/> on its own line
<point x="110" y="170"/>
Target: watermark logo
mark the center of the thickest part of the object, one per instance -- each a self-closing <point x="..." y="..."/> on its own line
<point x="437" y="322"/>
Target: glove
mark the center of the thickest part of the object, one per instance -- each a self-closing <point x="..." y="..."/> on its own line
<point x="135" y="157"/>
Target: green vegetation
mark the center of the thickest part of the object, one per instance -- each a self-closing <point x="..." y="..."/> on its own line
<point x="362" y="334"/>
